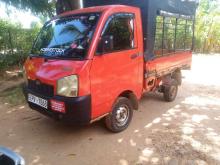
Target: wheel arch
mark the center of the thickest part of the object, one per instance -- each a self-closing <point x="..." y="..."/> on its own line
<point x="132" y="97"/>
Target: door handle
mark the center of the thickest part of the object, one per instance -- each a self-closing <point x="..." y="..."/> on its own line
<point x="134" y="56"/>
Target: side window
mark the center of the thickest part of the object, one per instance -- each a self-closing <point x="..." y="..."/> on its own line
<point x="121" y="29"/>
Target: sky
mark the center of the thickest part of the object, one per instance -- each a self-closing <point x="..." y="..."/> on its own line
<point x="25" y="18"/>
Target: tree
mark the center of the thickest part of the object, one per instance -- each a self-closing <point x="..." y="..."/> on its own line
<point x="44" y="7"/>
<point x="15" y="42"/>
<point x="208" y="26"/>
<point x="66" y="5"/>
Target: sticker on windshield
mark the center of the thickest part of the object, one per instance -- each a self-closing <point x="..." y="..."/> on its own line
<point x="52" y="51"/>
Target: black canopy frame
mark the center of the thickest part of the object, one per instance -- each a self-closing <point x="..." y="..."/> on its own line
<point x="150" y="9"/>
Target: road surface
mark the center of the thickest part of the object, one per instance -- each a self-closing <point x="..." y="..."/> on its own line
<point x="183" y="132"/>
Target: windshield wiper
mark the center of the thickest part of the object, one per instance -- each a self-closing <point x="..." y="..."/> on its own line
<point x="64" y="57"/>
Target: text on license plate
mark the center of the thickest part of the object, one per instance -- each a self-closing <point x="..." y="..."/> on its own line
<point x="38" y="101"/>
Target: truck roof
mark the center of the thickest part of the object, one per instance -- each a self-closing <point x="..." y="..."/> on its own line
<point x="94" y="9"/>
<point x="186" y="7"/>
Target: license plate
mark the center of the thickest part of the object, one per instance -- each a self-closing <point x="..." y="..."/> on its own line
<point x="38" y="101"/>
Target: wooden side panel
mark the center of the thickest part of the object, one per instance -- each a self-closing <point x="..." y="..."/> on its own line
<point x="165" y="65"/>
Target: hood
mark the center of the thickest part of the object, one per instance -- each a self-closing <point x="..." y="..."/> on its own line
<point x="51" y="70"/>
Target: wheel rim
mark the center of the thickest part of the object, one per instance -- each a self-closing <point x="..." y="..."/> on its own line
<point x="173" y="91"/>
<point x="122" y="115"/>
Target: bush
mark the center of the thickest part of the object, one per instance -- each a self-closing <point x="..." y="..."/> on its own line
<point x="8" y="60"/>
<point x="15" y="43"/>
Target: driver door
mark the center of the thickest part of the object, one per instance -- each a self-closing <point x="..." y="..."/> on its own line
<point x="117" y="68"/>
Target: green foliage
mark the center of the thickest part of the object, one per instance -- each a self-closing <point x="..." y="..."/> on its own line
<point x="43" y="7"/>
<point x="15" y="42"/>
<point x="208" y="27"/>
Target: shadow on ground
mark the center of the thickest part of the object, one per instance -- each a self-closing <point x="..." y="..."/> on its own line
<point x="183" y="132"/>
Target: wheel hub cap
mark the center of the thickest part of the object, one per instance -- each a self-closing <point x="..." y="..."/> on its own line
<point x="122" y="115"/>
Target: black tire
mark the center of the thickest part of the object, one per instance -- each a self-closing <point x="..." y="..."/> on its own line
<point x="170" y="91"/>
<point x="112" y="120"/>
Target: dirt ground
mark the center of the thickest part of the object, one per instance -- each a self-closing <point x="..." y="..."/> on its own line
<point x="186" y="131"/>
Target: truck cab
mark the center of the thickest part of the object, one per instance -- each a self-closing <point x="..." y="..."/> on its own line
<point x="90" y="64"/>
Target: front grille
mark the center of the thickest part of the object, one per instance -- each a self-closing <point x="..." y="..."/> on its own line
<point x="40" y="88"/>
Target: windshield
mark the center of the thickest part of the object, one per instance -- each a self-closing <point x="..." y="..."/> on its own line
<point x="67" y="37"/>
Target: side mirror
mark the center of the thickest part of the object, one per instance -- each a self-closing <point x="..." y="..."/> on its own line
<point x="106" y="44"/>
<point x="8" y="157"/>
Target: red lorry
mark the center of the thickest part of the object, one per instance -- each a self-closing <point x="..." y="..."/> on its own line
<point x="96" y="62"/>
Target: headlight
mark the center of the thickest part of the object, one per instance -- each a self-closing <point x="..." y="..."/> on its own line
<point x="68" y="86"/>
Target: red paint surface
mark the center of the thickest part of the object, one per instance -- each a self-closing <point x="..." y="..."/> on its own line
<point x="174" y="60"/>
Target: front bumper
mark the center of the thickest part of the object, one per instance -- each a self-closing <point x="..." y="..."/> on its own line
<point x="78" y="110"/>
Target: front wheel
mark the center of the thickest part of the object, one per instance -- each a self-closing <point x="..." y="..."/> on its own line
<point x="120" y="117"/>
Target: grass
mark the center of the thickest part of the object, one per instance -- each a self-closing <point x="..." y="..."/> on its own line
<point x="13" y="96"/>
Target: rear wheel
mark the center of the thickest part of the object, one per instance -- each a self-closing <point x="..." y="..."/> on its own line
<point x="120" y="117"/>
<point x="170" y="91"/>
